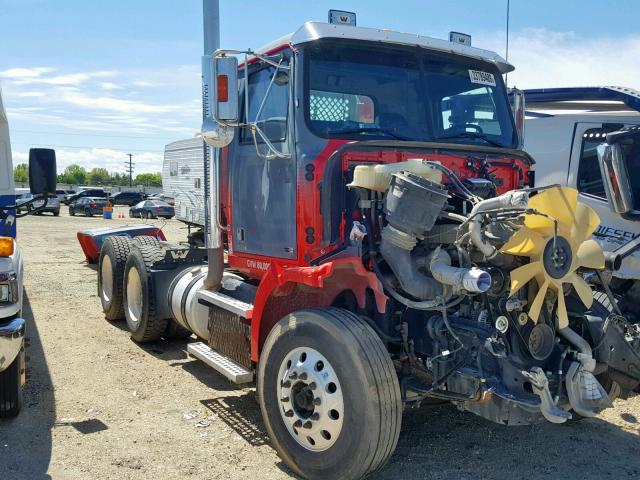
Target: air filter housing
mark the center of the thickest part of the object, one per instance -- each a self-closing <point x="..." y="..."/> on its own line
<point x="412" y="203"/>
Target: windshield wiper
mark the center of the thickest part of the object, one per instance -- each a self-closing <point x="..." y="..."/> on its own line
<point x="480" y="136"/>
<point x="370" y="130"/>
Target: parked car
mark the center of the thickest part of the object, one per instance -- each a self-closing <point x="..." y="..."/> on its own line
<point x="89" y="206"/>
<point x="89" y="192"/>
<point x="62" y="194"/>
<point x="152" y="209"/>
<point x="163" y="198"/>
<point x="53" y="204"/>
<point x="127" y="198"/>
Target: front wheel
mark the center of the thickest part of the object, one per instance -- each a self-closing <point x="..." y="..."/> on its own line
<point x="329" y="394"/>
<point x="11" y="386"/>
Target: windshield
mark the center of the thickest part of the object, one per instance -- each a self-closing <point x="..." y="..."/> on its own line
<point x="361" y="91"/>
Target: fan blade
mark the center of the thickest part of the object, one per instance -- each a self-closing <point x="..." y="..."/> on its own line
<point x="582" y="289"/>
<point x="557" y="202"/>
<point x="525" y="242"/>
<point x="590" y="255"/>
<point x="536" y="305"/>
<point x="521" y="275"/>
<point x="586" y="221"/>
<point x="561" y="312"/>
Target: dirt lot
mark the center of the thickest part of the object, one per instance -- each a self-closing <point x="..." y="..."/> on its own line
<point x="98" y="406"/>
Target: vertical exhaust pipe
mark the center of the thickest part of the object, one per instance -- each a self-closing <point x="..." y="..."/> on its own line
<point x="213" y="238"/>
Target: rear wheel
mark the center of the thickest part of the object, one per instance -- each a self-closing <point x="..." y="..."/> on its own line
<point x="11" y="386"/>
<point x="329" y="394"/>
<point x="87" y="212"/>
<point x="149" y="215"/>
<point x="72" y="213"/>
<point x="140" y="307"/>
<point x="111" y="264"/>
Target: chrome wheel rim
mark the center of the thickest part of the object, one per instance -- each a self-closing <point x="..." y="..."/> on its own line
<point x="134" y="296"/>
<point x="106" y="278"/>
<point x="310" y="399"/>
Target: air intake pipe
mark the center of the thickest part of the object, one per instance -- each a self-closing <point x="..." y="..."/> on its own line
<point x="412" y="205"/>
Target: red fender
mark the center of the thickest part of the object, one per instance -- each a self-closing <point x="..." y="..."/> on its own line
<point x="285" y="290"/>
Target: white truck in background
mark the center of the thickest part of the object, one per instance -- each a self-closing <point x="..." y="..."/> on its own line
<point x="42" y="176"/>
<point x="563" y="129"/>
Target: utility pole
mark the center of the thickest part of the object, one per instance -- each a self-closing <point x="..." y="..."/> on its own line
<point x="129" y="168"/>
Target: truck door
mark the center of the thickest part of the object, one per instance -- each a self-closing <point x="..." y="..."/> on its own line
<point x="264" y="191"/>
<point x="584" y="175"/>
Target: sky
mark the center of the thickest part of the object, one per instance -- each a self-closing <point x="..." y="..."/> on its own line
<point x="97" y="80"/>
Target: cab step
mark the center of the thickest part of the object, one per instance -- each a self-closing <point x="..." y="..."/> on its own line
<point x="224" y="365"/>
<point x="230" y="304"/>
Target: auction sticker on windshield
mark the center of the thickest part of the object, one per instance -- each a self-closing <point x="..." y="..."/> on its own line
<point x="483" y="78"/>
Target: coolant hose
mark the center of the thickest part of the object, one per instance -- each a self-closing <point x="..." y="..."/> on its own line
<point x="586" y="355"/>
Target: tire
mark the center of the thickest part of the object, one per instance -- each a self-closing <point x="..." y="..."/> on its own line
<point x="146" y="240"/>
<point x="139" y="295"/>
<point x="360" y="369"/>
<point x="56" y="213"/>
<point x="11" y="386"/>
<point x="72" y="213"/>
<point x="149" y="215"/>
<point x="111" y="264"/>
<point x="87" y="212"/>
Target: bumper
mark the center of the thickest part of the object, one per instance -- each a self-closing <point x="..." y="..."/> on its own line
<point x="11" y="338"/>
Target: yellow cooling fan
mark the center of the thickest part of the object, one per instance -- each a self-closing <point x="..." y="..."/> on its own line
<point x="555" y="258"/>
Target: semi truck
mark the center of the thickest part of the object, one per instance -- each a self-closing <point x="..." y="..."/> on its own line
<point x="42" y="178"/>
<point x="565" y="127"/>
<point x="373" y="240"/>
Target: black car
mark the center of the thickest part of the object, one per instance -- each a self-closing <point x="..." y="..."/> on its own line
<point x="127" y="198"/>
<point x="89" y="192"/>
<point x="152" y="209"/>
<point x="89" y="206"/>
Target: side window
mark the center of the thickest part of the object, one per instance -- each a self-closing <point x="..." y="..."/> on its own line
<point x="268" y="103"/>
<point x="589" y="179"/>
<point x="173" y="168"/>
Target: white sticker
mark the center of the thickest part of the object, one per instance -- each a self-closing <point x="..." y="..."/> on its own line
<point x="483" y="78"/>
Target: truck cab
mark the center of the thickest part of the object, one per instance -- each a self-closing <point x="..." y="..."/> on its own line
<point x="42" y="173"/>
<point x="564" y="127"/>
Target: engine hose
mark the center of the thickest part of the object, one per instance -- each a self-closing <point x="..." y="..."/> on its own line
<point x="425" y="305"/>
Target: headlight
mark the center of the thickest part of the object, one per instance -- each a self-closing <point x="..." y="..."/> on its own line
<point x="8" y="287"/>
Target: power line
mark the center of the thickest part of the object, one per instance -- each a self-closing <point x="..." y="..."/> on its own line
<point x="506" y="76"/>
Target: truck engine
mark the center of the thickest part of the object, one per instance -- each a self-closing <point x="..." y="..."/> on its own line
<point x="491" y="309"/>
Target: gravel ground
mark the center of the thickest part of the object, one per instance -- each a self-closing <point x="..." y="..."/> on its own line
<point x="98" y="406"/>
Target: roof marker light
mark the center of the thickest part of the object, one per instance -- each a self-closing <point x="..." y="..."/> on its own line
<point x="460" y="38"/>
<point x="339" y="17"/>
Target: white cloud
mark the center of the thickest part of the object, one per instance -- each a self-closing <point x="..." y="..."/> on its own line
<point x="117" y="104"/>
<point x="20" y="73"/>
<point x="31" y="94"/>
<point x="111" y="86"/>
<point x="545" y="58"/>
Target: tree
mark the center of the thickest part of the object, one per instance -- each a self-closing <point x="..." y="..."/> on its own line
<point x="149" y="179"/>
<point x="21" y="173"/>
<point x="99" y="176"/>
<point x="73" y="175"/>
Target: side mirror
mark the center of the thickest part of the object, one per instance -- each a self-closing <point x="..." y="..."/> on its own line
<point x="615" y="178"/>
<point x="220" y="89"/>
<point x="42" y="171"/>
<point x="517" y="106"/>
